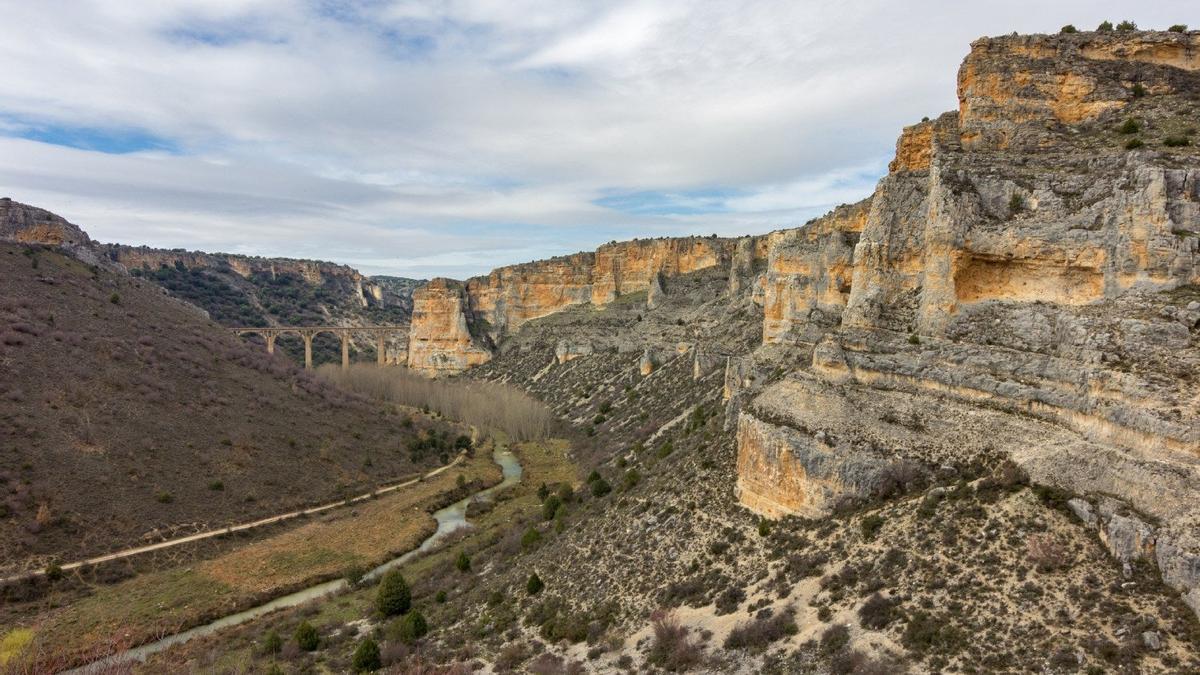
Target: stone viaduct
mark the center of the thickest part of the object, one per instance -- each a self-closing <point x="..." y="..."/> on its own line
<point x="307" y="333"/>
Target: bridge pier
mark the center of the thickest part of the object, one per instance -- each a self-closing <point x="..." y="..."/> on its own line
<point x="381" y="350"/>
<point x="345" y="349"/>
<point x="307" y="351"/>
<point x="271" y="343"/>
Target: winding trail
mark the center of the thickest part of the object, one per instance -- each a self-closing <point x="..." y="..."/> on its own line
<point x="208" y="534"/>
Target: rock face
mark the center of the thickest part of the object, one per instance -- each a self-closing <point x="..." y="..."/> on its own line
<point x="1019" y="282"/>
<point x="440" y="340"/>
<point x="31" y="225"/>
<point x="496" y="305"/>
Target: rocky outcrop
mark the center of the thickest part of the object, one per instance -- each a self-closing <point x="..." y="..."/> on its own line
<point x="30" y="225"/>
<point x="440" y="340"/>
<point x="496" y="305"/>
<point x="1020" y="283"/>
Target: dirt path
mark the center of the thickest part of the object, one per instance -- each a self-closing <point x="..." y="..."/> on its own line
<point x="270" y="520"/>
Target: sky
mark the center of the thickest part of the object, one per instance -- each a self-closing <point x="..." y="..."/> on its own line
<point x="430" y="138"/>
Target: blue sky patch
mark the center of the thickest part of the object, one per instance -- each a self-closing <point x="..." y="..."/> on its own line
<point x="653" y="203"/>
<point x="112" y="141"/>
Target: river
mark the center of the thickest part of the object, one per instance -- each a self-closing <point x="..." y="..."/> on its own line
<point x="449" y="519"/>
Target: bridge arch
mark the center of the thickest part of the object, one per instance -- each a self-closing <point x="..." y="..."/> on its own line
<point x="307" y="333"/>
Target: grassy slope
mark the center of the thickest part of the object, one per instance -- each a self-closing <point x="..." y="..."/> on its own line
<point x="126" y="416"/>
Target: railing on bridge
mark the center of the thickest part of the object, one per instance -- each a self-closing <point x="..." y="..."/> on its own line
<point x="307" y="333"/>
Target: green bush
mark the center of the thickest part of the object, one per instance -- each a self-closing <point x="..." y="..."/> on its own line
<point x="272" y="643"/>
<point x="394" y="596"/>
<point x="835" y="638"/>
<point x="1016" y="203"/>
<point x="870" y="525"/>
<point x="1176" y="141"/>
<point x="600" y="488"/>
<point x="115" y="298"/>
<point x="1138" y="90"/>
<point x="1126" y="26"/>
<point x="876" y="612"/>
<point x="307" y="637"/>
<point x="632" y="478"/>
<point x="1130" y="126"/>
<point x="1067" y="29"/>
<point x="354" y="574"/>
<point x="463" y="562"/>
<point x="550" y="506"/>
<point x="366" y="657"/>
<point x="1104" y="27"/>
<point x="1178" y="28"/>
<point x="164" y="497"/>
<point x="530" y="539"/>
<point x="54" y="572"/>
<point x="440" y="598"/>
<point x="413" y="627"/>
<point x="665" y="449"/>
<point x="1134" y="144"/>
<point x="534" y="585"/>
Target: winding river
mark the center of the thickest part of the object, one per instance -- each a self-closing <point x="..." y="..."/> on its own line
<point x="449" y="519"/>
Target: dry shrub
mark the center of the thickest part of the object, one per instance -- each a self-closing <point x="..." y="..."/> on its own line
<point x="762" y="630"/>
<point x="1046" y="552"/>
<point x="483" y="404"/>
<point x="672" y="650"/>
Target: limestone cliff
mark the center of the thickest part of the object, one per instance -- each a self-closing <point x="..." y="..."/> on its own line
<point x="494" y="306"/>
<point x="1023" y="281"/>
<point x="31" y="225"/>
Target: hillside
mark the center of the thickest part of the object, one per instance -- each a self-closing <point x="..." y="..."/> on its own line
<point x="239" y="290"/>
<point x="127" y="416"/>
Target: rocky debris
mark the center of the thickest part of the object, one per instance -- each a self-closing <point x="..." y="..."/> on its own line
<point x="567" y="350"/>
<point x="647" y="363"/>
<point x="654" y="297"/>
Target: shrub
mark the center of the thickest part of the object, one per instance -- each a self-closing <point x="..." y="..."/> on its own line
<point x="1104" y="27"/>
<point x="632" y="478"/>
<point x="412" y="627"/>
<point x="1176" y="141"/>
<point x="394" y="596"/>
<point x="54" y="572"/>
<point x="870" y="525"/>
<point x="530" y="539"/>
<point x="764" y="527"/>
<point x="440" y="598"/>
<point x="762" y="630"/>
<point x="1130" y="126"/>
<point x="1068" y="29"/>
<point x="549" y="506"/>
<point x="307" y="637"/>
<point x="1134" y="144"/>
<point x="115" y="298"/>
<point x="534" y="585"/>
<point x="1016" y="203"/>
<point x="927" y="632"/>
<point x="671" y="649"/>
<point x="366" y="657"/>
<point x="164" y="497"/>
<point x="1138" y="90"/>
<point x="1046" y="552"/>
<point x="876" y="612"/>
<point x="1126" y="26"/>
<point x="913" y="339"/>
<point x="272" y="643"/>
<point x="354" y="574"/>
<point x="835" y="638"/>
<point x="600" y="488"/>
<point x="463" y="562"/>
<point x="1178" y="28"/>
<point x="216" y="485"/>
<point x="665" y="449"/>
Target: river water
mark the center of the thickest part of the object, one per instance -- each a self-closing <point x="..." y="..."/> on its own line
<point x="449" y="519"/>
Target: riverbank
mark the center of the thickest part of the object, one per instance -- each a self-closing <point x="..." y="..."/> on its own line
<point x="157" y="604"/>
<point x="240" y="648"/>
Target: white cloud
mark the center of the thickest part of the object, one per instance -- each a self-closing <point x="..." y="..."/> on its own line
<point x="435" y="136"/>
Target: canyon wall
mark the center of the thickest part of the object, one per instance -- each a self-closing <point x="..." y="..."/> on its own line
<point x="1022" y="282"/>
<point x="314" y="272"/>
<point x="491" y="307"/>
